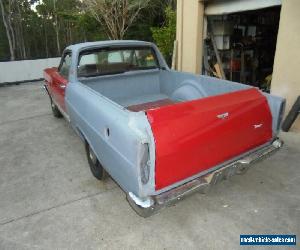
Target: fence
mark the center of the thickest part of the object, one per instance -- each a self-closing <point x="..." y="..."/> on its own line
<point x="26" y="70"/>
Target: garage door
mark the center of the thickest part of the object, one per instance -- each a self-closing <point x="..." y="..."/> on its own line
<point x="221" y="7"/>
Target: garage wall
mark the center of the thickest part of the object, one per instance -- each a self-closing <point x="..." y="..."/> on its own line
<point x="25" y="70"/>
<point x="189" y="35"/>
<point x="286" y="73"/>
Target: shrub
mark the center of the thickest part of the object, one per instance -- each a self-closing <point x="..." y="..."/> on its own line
<point x="165" y="36"/>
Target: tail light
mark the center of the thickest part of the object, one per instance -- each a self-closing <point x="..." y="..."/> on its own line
<point x="144" y="163"/>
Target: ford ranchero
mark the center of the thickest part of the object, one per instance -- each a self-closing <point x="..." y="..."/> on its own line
<point x="160" y="134"/>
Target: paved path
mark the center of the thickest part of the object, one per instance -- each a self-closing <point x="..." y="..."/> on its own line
<point x="50" y="200"/>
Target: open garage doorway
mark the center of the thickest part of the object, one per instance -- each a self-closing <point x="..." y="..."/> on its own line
<point x="241" y="46"/>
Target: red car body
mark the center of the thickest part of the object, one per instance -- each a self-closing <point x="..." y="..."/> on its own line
<point x="56" y="85"/>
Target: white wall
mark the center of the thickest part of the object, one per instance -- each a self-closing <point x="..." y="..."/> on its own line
<point x="18" y="71"/>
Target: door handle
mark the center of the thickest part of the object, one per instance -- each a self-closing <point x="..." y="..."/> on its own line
<point x="257" y="125"/>
<point x="223" y="116"/>
<point x="62" y="86"/>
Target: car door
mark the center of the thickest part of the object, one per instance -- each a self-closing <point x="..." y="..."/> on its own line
<point x="60" y="80"/>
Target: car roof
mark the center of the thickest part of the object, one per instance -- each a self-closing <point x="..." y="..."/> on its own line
<point x="87" y="45"/>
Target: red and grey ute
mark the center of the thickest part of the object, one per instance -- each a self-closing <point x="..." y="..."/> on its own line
<point x="160" y="134"/>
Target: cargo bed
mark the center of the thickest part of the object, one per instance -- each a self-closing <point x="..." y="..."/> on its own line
<point x="158" y="88"/>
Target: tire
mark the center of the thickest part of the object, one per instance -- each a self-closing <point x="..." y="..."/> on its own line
<point x="95" y="166"/>
<point x="291" y="117"/>
<point x="55" y="110"/>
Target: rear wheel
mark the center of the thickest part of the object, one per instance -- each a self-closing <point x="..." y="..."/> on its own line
<point x="95" y="166"/>
<point x="55" y="110"/>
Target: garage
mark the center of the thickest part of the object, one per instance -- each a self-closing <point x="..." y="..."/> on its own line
<point x="253" y="42"/>
<point x="245" y="43"/>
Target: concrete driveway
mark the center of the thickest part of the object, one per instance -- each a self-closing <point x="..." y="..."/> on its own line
<point x="50" y="200"/>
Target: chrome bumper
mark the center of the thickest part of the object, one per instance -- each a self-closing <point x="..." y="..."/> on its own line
<point x="146" y="208"/>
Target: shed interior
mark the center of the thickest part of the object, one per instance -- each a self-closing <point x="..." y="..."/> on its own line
<point x="242" y="46"/>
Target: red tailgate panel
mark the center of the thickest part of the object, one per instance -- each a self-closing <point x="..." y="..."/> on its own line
<point x="194" y="136"/>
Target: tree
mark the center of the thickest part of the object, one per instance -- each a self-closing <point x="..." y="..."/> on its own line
<point x="56" y="27"/>
<point x="115" y="15"/>
<point x="165" y="36"/>
<point x="49" y="11"/>
<point x="43" y="31"/>
<point x="6" y="16"/>
<point x="14" y="14"/>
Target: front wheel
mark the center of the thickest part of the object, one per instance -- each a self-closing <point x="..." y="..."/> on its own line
<point x="95" y="166"/>
<point x="55" y="110"/>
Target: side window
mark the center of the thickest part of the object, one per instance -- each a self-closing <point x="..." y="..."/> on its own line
<point x="88" y="59"/>
<point x="65" y="64"/>
<point x="114" y="57"/>
<point x="145" y="58"/>
<point x="130" y="57"/>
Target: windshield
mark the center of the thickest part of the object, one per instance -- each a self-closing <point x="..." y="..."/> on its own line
<point x="107" y="61"/>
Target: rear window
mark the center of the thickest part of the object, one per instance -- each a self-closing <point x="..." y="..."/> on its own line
<point x="115" y="60"/>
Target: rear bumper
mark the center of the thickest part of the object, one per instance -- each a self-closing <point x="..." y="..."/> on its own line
<point x="151" y="205"/>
